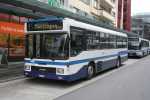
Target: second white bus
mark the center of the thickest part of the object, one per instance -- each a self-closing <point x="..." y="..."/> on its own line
<point x="138" y="47"/>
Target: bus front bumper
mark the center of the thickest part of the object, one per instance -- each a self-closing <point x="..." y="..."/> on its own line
<point x="36" y="74"/>
<point x="135" y="53"/>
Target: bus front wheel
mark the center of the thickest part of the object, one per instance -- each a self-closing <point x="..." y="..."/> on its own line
<point x="90" y="71"/>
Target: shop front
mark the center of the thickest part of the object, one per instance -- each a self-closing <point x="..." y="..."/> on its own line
<point x="12" y="40"/>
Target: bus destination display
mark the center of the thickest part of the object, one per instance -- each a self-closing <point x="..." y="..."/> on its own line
<point x="57" y="25"/>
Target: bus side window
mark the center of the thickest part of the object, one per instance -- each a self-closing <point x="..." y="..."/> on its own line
<point x="140" y="46"/>
<point x="74" y="46"/>
<point x="76" y="43"/>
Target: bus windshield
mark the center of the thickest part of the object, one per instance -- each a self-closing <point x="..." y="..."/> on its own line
<point x="133" y="46"/>
<point x="133" y="43"/>
<point x="50" y="46"/>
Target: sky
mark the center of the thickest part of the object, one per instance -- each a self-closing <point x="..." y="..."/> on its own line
<point x="140" y="6"/>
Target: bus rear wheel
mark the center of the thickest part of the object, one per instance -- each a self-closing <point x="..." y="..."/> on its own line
<point x="118" y="62"/>
<point x="90" y="71"/>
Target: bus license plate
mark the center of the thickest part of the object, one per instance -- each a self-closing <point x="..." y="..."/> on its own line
<point x="41" y="76"/>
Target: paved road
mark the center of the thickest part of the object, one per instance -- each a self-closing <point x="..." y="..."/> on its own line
<point x="128" y="83"/>
<point x="37" y="89"/>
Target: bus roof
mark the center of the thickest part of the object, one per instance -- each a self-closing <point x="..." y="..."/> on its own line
<point x="93" y="27"/>
<point x="79" y="24"/>
<point x="139" y="38"/>
<point x="143" y="39"/>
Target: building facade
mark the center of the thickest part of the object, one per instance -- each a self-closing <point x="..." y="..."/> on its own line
<point x="141" y="25"/>
<point x="104" y="10"/>
<point x="124" y="15"/>
<point x="99" y="9"/>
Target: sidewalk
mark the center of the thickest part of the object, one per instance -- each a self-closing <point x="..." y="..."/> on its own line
<point x="11" y="71"/>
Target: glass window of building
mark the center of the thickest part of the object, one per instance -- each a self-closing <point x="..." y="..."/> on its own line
<point x="62" y="2"/>
<point x="3" y="40"/>
<point x="14" y="18"/>
<point x="4" y="17"/>
<point x="86" y="1"/>
<point x="23" y="20"/>
<point x="16" y="45"/>
<point x="12" y="36"/>
<point x="95" y="3"/>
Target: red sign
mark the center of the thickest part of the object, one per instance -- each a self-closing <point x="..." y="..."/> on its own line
<point x="12" y="28"/>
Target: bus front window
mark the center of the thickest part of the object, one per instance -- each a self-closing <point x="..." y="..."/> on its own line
<point x="133" y="43"/>
<point x="54" y="46"/>
<point x="50" y="46"/>
<point x="29" y="46"/>
<point x="133" y="46"/>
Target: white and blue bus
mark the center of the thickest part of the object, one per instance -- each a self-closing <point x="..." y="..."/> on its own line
<point x="138" y="47"/>
<point x="66" y="49"/>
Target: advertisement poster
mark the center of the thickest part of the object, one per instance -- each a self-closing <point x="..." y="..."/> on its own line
<point x="12" y="39"/>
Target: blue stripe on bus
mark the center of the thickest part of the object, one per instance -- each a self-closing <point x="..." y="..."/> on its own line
<point x="123" y="52"/>
<point x="74" y="62"/>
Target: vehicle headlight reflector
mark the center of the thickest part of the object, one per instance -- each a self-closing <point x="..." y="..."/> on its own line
<point x="27" y="67"/>
<point x="60" y="70"/>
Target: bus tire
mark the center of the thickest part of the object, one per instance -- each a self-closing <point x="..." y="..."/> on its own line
<point x="90" y="71"/>
<point x="143" y="54"/>
<point x="118" y="64"/>
<point x="147" y="53"/>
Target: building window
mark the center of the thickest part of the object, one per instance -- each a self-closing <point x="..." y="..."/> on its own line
<point x="80" y="12"/>
<point x="45" y="1"/>
<point x="74" y="9"/>
<point x="23" y="20"/>
<point x="113" y="1"/>
<point x="4" y="40"/>
<point x="16" y="46"/>
<point x="14" y="19"/>
<point x="62" y="2"/>
<point x="95" y="3"/>
<point x="113" y="13"/>
<point x="86" y="1"/>
<point x="4" y="17"/>
<point x="10" y="39"/>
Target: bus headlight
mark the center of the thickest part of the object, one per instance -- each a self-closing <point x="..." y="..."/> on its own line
<point x="60" y="70"/>
<point x="27" y="68"/>
<point x="139" y="53"/>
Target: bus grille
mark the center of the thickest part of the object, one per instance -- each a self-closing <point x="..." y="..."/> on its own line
<point x="43" y="69"/>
